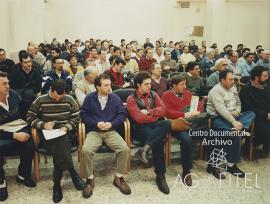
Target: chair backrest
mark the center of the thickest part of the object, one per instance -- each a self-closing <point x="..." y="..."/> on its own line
<point x="124" y="93"/>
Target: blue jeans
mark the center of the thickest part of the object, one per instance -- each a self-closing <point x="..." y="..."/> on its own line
<point x="186" y="149"/>
<point x="219" y="123"/>
<point x="153" y="134"/>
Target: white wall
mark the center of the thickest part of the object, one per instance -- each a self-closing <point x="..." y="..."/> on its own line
<point x="225" y="21"/>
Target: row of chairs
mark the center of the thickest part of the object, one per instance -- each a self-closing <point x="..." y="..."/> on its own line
<point x="124" y="131"/>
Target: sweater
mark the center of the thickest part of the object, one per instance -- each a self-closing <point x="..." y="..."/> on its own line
<point x="194" y="84"/>
<point x="14" y="101"/>
<point x="64" y="113"/>
<point x="160" y="87"/>
<point x="91" y="112"/>
<point x="223" y="101"/>
<point x="176" y="105"/>
<point x="145" y="64"/>
<point x="83" y="88"/>
<point x="117" y="79"/>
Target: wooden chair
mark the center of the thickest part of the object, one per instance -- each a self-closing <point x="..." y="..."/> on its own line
<point x="104" y="148"/>
<point x="41" y="150"/>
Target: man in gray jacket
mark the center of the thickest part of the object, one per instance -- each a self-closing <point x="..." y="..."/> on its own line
<point x="224" y="106"/>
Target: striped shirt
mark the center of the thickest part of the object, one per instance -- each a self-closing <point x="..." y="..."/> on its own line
<point x="64" y="113"/>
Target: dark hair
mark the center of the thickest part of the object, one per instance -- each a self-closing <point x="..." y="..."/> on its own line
<point x="110" y="46"/>
<point x="55" y="58"/>
<point x="260" y="50"/>
<point x="191" y="65"/>
<point x="140" y="77"/>
<point x="103" y="41"/>
<point x="257" y="71"/>
<point x="92" y="48"/>
<point x="3" y="74"/>
<point x="223" y="74"/>
<point x="111" y="59"/>
<point x="56" y="49"/>
<point x="240" y="45"/>
<point x="97" y="81"/>
<point x="176" y="79"/>
<point x="71" y="56"/>
<point x="119" y="60"/>
<point x="258" y="46"/>
<point x="176" y="43"/>
<point x="228" y="46"/>
<point x="116" y="48"/>
<point x="165" y="51"/>
<point x="23" y="55"/>
<point x="77" y="41"/>
<point x="248" y="54"/>
<point x="138" y="50"/>
<point x="122" y="40"/>
<point x="59" y="86"/>
<point x="1" y="49"/>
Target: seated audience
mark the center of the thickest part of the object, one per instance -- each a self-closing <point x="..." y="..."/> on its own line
<point x="102" y="64"/>
<point x="186" y="56"/>
<point x="208" y="62"/>
<point x="158" y="55"/>
<point x="247" y="65"/>
<point x="131" y="64"/>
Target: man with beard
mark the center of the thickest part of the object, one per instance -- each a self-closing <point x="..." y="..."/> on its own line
<point x="255" y="96"/>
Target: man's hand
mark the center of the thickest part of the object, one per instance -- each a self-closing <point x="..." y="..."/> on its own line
<point x="104" y="126"/>
<point x="49" y="125"/>
<point x="235" y="114"/>
<point x="191" y="114"/>
<point x="64" y="129"/>
<point x="21" y="136"/>
<point x="268" y="117"/>
<point x="107" y="126"/>
<point x="100" y="125"/>
<point x="144" y="111"/>
<point x="237" y="125"/>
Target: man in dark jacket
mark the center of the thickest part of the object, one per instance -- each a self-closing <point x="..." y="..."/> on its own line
<point x="26" y="81"/>
<point x="255" y="96"/>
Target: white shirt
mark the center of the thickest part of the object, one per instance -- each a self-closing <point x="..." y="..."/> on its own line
<point x="5" y="106"/>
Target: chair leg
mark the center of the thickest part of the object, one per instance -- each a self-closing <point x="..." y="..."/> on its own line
<point x="36" y="166"/>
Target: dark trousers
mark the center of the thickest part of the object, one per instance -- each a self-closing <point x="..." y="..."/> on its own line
<point x="154" y="134"/>
<point x="186" y="148"/>
<point x="59" y="148"/>
<point x="262" y="132"/>
<point x="26" y="152"/>
<point x="219" y="123"/>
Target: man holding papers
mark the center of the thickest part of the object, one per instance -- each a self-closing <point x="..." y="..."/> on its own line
<point x="17" y="142"/>
<point x="59" y="113"/>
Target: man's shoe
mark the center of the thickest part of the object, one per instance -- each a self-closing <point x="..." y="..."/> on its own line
<point x="186" y="178"/>
<point x="26" y="181"/>
<point x="88" y="189"/>
<point x="3" y="193"/>
<point x="179" y="124"/>
<point x="142" y="156"/>
<point x="234" y="170"/>
<point x="122" y="185"/>
<point x="215" y="172"/>
<point x="57" y="193"/>
<point x="162" y="184"/>
<point x="78" y="182"/>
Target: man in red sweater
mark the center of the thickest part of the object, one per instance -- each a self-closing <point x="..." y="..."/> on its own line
<point x="146" y="109"/>
<point x="146" y="61"/>
<point x="177" y="101"/>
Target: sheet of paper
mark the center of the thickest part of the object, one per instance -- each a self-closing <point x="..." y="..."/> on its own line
<point x="194" y="103"/>
<point x="13" y="126"/>
<point x="52" y="134"/>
